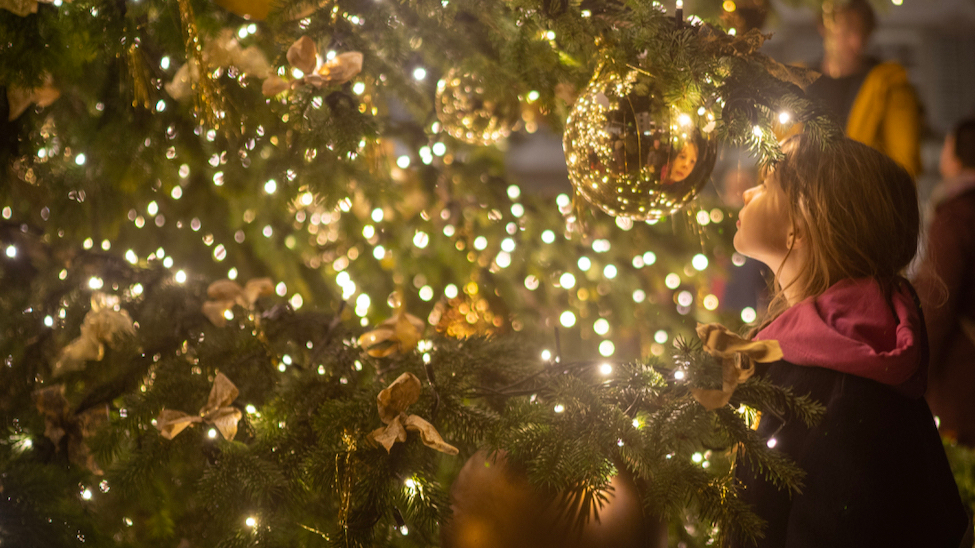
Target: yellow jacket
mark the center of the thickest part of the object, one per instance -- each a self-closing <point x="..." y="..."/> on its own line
<point x="885" y="115"/>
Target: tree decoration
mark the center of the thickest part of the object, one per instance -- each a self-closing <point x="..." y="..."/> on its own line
<point x="224" y="294"/>
<point x="60" y="423"/>
<point x="19" y="98"/>
<point x="217" y="412"/>
<point x="105" y="323"/>
<point x="633" y="154"/>
<point x="393" y="401"/>
<point x="223" y="51"/>
<point x="493" y="503"/>
<point x="469" y="113"/>
<point x="396" y="335"/>
<point x="303" y="56"/>
<point x="209" y="106"/>
<point x="736" y="356"/>
<point x="22" y="8"/>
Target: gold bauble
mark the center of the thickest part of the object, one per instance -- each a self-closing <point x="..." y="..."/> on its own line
<point x="255" y="10"/>
<point x="469" y="113"/>
<point x="494" y="506"/>
<point x="632" y="154"/>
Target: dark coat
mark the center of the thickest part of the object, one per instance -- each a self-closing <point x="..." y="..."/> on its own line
<point x="876" y="472"/>
<point x="945" y="283"/>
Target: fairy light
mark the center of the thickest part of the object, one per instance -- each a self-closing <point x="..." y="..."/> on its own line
<point x="426" y="293"/>
<point x="228" y="314"/>
<point x="558" y="408"/>
<point x="180" y="277"/>
<point x="699" y="262"/>
<point x="480" y="243"/>
<point x="772" y="442"/>
<point x="672" y="281"/>
<point x="11" y="251"/>
<point x="601" y="326"/>
<point x="251" y="522"/>
<point x="748" y="314"/>
<point x="710" y="302"/>
<point x="503" y="259"/>
<point x="403" y="162"/>
<point x="546" y="355"/>
<point x="567" y="280"/>
<point x="584" y="264"/>
<point x="605" y="369"/>
<point x="639" y="296"/>
<point x="679" y="375"/>
<point x="607" y="348"/>
<point x="48" y="321"/>
<point x="531" y="282"/>
<point x="784" y="117"/>
<point x="86" y="494"/>
<point x="281" y="289"/>
<point x="95" y="283"/>
<point x="212" y="433"/>
<point x="168" y="262"/>
<point x="548" y="236"/>
<point x="660" y="336"/>
<point x="649" y="258"/>
<point x="567" y="319"/>
<point x="152" y="208"/>
<point x="137" y="290"/>
<point x="610" y="271"/>
<point x="685" y="298"/>
<point x="450" y="291"/>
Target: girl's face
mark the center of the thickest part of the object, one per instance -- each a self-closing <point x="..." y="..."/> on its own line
<point x="684" y="163"/>
<point x="764" y="223"/>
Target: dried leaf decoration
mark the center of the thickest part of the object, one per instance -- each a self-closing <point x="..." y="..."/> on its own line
<point x="393" y="401"/>
<point x="60" y="422"/>
<point x="104" y="324"/>
<point x="217" y="412"/>
<point x="222" y="295"/>
<point x="303" y="55"/>
<point x="736" y="355"/>
<point x="398" y="334"/>
<point x="19" y="99"/>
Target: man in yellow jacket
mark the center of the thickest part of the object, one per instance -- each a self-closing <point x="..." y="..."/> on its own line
<point x="874" y="100"/>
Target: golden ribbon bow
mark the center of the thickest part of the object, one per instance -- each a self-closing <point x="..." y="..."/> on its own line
<point x="19" y="99"/>
<point x="224" y="294"/>
<point x="217" y="412"/>
<point x="396" y="335"/>
<point x="393" y="401"/>
<point x="103" y="324"/>
<point x="303" y="55"/>
<point x="736" y="355"/>
<point x="60" y="421"/>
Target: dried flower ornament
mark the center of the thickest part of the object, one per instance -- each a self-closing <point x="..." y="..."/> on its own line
<point x="303" y="56"/>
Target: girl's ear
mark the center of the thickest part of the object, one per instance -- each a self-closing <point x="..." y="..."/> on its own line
<point x="797" y="237"/>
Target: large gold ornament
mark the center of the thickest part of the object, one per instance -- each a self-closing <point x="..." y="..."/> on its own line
<point x="631" y="153"/>
<point x="468" y="113"/>
<point x="493" y="504"/>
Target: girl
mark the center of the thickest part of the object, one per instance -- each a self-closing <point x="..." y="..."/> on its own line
<point x="836" y="227"/>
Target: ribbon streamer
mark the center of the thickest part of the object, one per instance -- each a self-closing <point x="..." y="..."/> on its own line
<point x="61" y="422"/>
<point x="104" y="324"/>
<point x="736" y="355"/>
<point x="393" y="401"/>
<point x="224" y="294"/>
<point x="217" y="412"/>
<point x="223" y="51"/>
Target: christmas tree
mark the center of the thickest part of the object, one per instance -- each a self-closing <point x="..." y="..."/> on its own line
<point x="228" y="228"/>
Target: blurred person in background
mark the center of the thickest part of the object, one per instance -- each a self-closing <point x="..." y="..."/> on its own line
<point x="945" y="283"/>
<point x="874" y="101"/>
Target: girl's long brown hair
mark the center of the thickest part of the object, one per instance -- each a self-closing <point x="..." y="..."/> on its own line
<point x="857" y="210"/>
